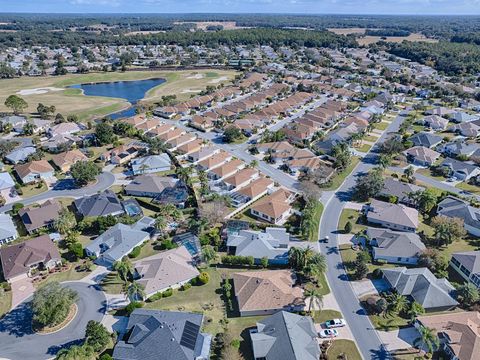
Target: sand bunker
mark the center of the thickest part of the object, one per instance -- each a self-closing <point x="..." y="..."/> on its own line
<point x="217" y="80"/>
<point x="38" y="91"/>
<point x="196" y="76"/>
<point x="186" y="91"/>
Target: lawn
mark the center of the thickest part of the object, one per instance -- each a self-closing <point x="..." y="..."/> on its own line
<point x="324" y="289"/>
<point x="324" y="315"/>
<point x="468" y="187"/>
<point x="352" y="216"/>
<point x="33" y="189"/>
<point x="428" y="172"/>
<point x="340" y="178"/>
<point x="71" y="101"/>
<point x="69" y="275"/>
<point x="112" y="284"/>
<point x="363" y="148"/>
<point x="388" y="322"/>
<point x="313" y="230"/>
<point x="381" y="125"/>
<point x="370" y="138"/>
<point x="5" y="302"/>
<point x="346" y="347"/>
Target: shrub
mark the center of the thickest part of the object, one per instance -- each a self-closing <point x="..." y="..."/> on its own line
<point x="186" y="286"/>
<point x="203" y="277"/>
<point x="105" y="357"/>
<point x="377" y="273"/>
<point x="348" y="227"/>
<point x="235" y="343"/>
<point x="167" y="293"/>
<point x="76" y="249"/>
<point x="16" y="207"/>
<point x="135" y="252"/>
<point x="132" y="306"/>
<point x="155" y="297"/>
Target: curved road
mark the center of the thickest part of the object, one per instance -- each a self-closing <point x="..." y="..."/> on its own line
<point x="366" y="336"/>
<point x="65" y="188"/>
<point x="19" y="342"/>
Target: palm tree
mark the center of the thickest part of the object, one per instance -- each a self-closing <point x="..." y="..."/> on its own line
<point x="313" y="294"/>
<point x="135" y="291"/>
<point x="428" y="338"/>
<point x="184" y="173"/>
<point x="160" y="223"/>
<point x="209" y="254"/>
<point x="415" y="310"/>
<point x="397" y="303"/>
<point x="124" y="268"/>
<point x="316" y="266"/>
<point x="65" y="222"/>
<point x="409" y="171"/>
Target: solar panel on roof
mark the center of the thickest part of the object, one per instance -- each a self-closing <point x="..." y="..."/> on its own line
<point x="190" y="334"/>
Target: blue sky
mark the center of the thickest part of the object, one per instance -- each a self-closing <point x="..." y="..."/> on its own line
<point x="420" y="7"/>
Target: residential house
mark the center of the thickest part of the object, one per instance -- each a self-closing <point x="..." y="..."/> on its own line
<point x="422" y="156"/>
<point x="272" y="244"/>
<point x="421" y="286"/>
<point x="41" y="217"/>
<point x="456" y="208"/>
<point x="179" y="141"/>
<point x="16" y="122"/>
<point x="166" y="270"/>
<point x="202" y="123"/>
<point x="425" y="139"/>
<point x="190" y="147"/>
<point x="20" y="154"/>
<point x="8" y="231"/>
<point x="123" y="153"/>
<point x="459" y="333"/>
<point x="172" y="134"/>
<point x="66" y="128"/>
<point x="285" y="336"/>
<point x="400" y="190"/>
<point x="7" y="184"/>
<point x="100" y="204"/>
<point x="151" y="164"/>
<point x="395" y="247"/>
<point x="214" y="161"/>
<point x="119" y="241"/>
<point x="242" y="178"/>
<point x="463" y="117"/>
<point x="460" y="148"/>
<point x="64" y="161"/>
<point x="34" y="171"/>
<point x="461" y="170"/>
<point x="227" y="169"/>
<point x="203" y="153"/>
<point x="158" y="130"/>
<point x="20" y="259"/>
<point x="252" y="191"/>
<point x="440" y="111"/>
<point x="391" y="216"/>
<point x="266" y="292"/>
<point x="467" y="265"/>
<point x="469" y="129"/>
<point x="150" y="185"/>
<point x="274" y="208"/>
<point x="435" y="122"/>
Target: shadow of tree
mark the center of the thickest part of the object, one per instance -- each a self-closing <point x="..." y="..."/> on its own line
<point x="18" y="322"/>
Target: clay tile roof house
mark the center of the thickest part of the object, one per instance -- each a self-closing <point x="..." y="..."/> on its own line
<point x="459" y="333"/>
<point x="202" y="123"/>
<point x="179" y="141"/>
<point x="172" y="134"/>
<point x="241" y="178"/>
<point x="274" y="208"/>
<point x="266" y="292"/>
<point x="168" y="269"/>
<point x="392" y="216"/>
<point x="66" y="159"/>
<point x="160" y="130"/>
<point x="148" y="125"/>
<point x="215" y="160"/>
<point x="135" y="120"/>
<point x="20" y="259"/>
<point x="34" y="171"/>
<point x="190" y="147"/>
<point x="43" y="216"/>
<point x="256" y="188"/>
<point x="274" y="147"/>
<point x="227" y="169"/>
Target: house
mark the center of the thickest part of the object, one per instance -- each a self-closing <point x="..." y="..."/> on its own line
<point x="151" y="164"/>
<point x="274" y="208"/>
<point x="421" y="286"/>
<point x="460" y="148"/>
<point x="123" y="153"/>
<point x="20" y="155"/>
<point x="19" y="260"/>
<point x="440" y="111"/>
<point x="266" y="292"/>
<point x="203" y="153"/>
<point x="425" y="139"/>
<point x="119" y="241"/>
<point x="16" y="122"/>
<point x="391" y="216"/>
<point x="400" y="190"/>
<point x="190" y="147"/>
<point x="8" y="231"/>
<point x="6" y="181"/>
<point x="227" y="169"/>
<point x="214" y="161"/>
<point x="285" y="336"/>
<point x="422" y="156"/>
<point x="43" y="216"/>
<point x="66" y="128"/>
<point x="101" y="204"/>
<point x="64" y="161"/>
<point x="469" y="129"/>
<point x="166" y="270"/>
<point x="241" y="178"/>
<point x="463" y="117"/>
<point x="459" y="333"/>
<point x="272" y="244"/>
<point x="252" y="191"/>
<point x="461" y="170"/>
<point x="467" y="265"/>
<point x="395" y="247"/>
<point x="34" y="171"/>
<point x="158" y="334"/>
<point x="435" y="122"/>
<point x="457" y="208"/>
<point x="179" y="141"/>
<point x="150" y="185"/>
<point x="58" y="143"/>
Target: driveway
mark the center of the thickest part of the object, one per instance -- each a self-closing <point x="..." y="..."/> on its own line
<point x="21" y="290"/>
<point x="19" y="342"/>
<point x="399" y="339"/>
<point x="369" y="287"/>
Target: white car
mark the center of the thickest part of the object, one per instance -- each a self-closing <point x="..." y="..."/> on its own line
<point x="328" y="333"/>
<point x="334" y="323"/>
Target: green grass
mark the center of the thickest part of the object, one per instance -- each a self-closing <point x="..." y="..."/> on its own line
<point x="346" y="347"/>
<point x="313" y="230"/>
<point x="388" y="322"/>
<point x="381" y="125"/>
<point x="112" y="284"/>
<point x="348" y="258"/>
<point x="428" y="172"/>
<point x="5" y="302"/>
<point x="148" y="249"/>
<point x="352" y="216"/>
<point x="370" y="138"/>
<point x="340" y="178"/>
<point x="324" y="315"/>
<point x="324" y="289"/>
<point x="364" y="148"/>
<point x="69" y="275"/>
<point x="32" y="190"/>
<point x="468" y="187"/>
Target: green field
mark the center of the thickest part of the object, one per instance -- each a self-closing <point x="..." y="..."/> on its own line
<point x="70" y="101"/>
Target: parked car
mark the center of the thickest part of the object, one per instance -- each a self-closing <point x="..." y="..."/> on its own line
<point x="334" y="323"/>
<point x="328" y="333"/>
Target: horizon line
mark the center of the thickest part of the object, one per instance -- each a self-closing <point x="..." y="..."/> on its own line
<point x="237" y="13"/>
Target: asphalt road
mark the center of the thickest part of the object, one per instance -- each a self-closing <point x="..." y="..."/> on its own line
<point x="66" y="188"/>
<point x="19" y="342"/>
<point x="367" y="339"/>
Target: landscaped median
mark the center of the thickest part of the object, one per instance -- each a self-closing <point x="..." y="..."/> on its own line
<point x="341" y="176"/>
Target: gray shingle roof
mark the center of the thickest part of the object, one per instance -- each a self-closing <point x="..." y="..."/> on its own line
<point x="163" y="335"/>
<point x="425" y="139"/>
<point x="399" y="189"/>
<point x="395" y="243"/>
<point x="102" y="204"/>
<point x="470" y="260"/>
<point x="7" y="227"/>
<point x="286" y="336"/>
<point x="454" y="207"/>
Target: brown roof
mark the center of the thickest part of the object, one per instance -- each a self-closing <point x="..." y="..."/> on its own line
<point x="256" y="187"/>
<point x="241" y="177"/>
<point x="135" y="120"/>
<point x="37" y="217"/>
<point x="181" y="140"/>
<point x="462" y="329"/>
<point x="17" y="259"/>
<point x="68" y="158"/>
<point x="228" y="167"/>
<point x="266" y="290"/>
<point x="190" y="146"/>
<point x="40" y="166"/>
<point x="172" y="134"/>
<point x="215" y="160"/>
<point x="273" y="205"/>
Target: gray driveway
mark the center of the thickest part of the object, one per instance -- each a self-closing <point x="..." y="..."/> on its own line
<point x="65" y="188"/>
<point x="18" y="342"/>
<point x="368" y="341"/>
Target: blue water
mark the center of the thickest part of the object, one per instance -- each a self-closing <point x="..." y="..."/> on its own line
<point x="132" y="91"/>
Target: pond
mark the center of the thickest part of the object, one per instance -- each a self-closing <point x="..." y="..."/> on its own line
<point x="132" y="91"/>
